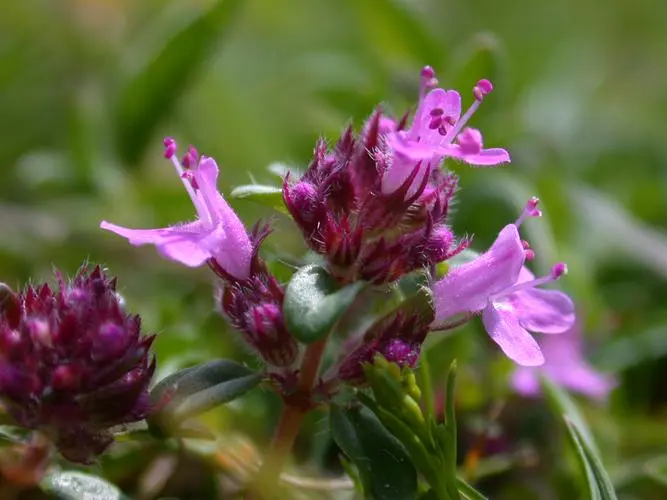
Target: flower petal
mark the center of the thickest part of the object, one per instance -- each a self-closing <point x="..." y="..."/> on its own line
<point x="544" y="311"/>
<point x="468" y="288"/>
<point x="583" y="378"/>
<point x="233" y="249"/>
<point x="447" y="100"/>
<point x="515" y="342"/>
<point x="180" y="243"/>
<point x="485" y="158"/>
<point x="564" y="364"/>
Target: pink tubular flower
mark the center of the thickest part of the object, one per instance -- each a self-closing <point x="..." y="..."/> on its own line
<point x="499" y="286"/>
<point x="437" y="131"/>
<point x="565" y="364"/>
<point x="217" y="234"/>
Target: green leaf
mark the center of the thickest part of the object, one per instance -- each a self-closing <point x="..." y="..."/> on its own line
<point x="150" y="96"/>
<point x="562" y="404"/>
<point x="198" y="389"/>
<point x="468" y="492"/>
<point x="384" y="467"/>
<point x="269" y="196"/>
<point x="599" y="483"/>
<point x="73" y="485"/>
<point x="408" y="438"/>
<point x="314" y="302"/>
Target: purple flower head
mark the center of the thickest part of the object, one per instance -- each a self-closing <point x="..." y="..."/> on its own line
<point x="497" y="285"/>
<point x="217" y="234"/>
<point x="73" y="364"/>
<point x="364" y="233"/>
<point x="564" y="364"/>
<point x="438" y="131"/>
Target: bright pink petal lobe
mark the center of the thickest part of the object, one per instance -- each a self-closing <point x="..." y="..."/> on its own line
<point x="515" y="341"/>
<point x="565" y="364"/>
<point x="179" y="243"/>
<point x="469" y="287"/>
<point x="543" y="311"/>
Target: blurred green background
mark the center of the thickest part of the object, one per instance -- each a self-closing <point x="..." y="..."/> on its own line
<point x="88" y="88"/>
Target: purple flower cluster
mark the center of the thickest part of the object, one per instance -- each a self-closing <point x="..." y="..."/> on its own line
<point x="375" y="207"/>
<point x="73" y="364"/>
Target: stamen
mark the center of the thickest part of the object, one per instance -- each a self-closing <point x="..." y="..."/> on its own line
<point x="194" y="153"/>
<point x="529" y="252"/>
<point x="437" y="112"/>
<point x="482" y="88"/>
<point x="169" y="147"/>
<point x="428" y="81"/>
<point x="556" y="272"/>
<point x="435" y="122"/>
<point x="529" y="210"/>
<point x="202" y="211"/>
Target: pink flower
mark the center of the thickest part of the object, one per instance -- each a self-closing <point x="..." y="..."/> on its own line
<point x="437" y="131"/>
<point x="217" y="234"/>
<point x="565" y="364"/>
<point x="499" y="286"/>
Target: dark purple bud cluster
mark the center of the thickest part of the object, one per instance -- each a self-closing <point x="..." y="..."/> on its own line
<point x="398" y="338"/>
<point x="254" y="307"/>
<point x="73" y="364"/>
<point x="363" y="231"/>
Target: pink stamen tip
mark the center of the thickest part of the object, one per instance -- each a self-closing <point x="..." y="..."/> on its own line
<point x="530" y="254"/>
<point x="436" y="121"/>
<point x="532" y="203"/>
<point x="485" y="86"/>
<point x="450" y="120"/>
<point x="189" y="176"/>
<point x="482" y="88"/>
<point x="427" y="73"/>
<point x="169" y="150"/>
<point x="558" y="270"/>
<point x="188" y="160"/>
<point x="437" y="112"/>
<point x="525" y="244"/>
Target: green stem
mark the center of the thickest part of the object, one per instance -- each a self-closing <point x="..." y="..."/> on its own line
<point x="295" y="409"/>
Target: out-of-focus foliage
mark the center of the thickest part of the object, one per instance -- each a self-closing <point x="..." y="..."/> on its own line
<point x="580" y="101"/>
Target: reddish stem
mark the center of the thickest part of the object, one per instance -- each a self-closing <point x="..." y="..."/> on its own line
<point x="295" y="409"/>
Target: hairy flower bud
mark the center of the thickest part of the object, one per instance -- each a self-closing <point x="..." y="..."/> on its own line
<point x="254" y="306"/>
<point x="73" y="364"/>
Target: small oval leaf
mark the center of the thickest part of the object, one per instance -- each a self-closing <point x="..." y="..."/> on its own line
<point x="269" y="196"/>
<point x="314" y="302"/>
<point x="198" y="389"/>
<point x="73" y="485"/>
<point x="385" y="469"/>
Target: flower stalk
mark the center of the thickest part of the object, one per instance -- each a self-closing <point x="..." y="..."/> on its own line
<point x="296" y="407"/>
